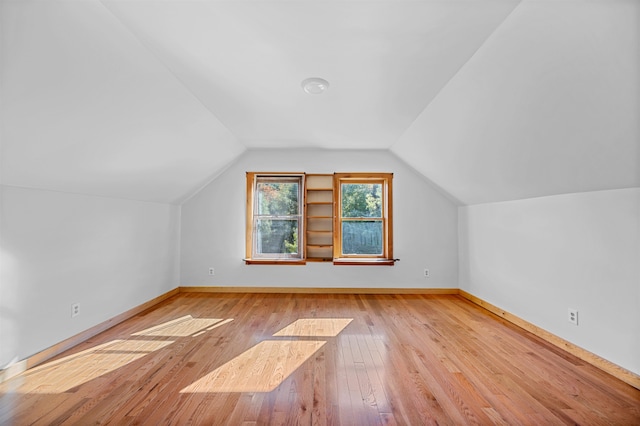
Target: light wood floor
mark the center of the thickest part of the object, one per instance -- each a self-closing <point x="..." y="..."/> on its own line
<point x="317" y="359"/>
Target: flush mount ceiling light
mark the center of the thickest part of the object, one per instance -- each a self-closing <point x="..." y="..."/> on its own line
<point x="315" y="85"/>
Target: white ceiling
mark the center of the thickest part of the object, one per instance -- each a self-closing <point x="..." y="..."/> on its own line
<point x="490" y="99"/>
<point x="550" y="104"/>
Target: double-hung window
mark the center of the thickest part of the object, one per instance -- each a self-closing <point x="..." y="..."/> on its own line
<point x="275" y="217"/>
<point x="363" y="221"/>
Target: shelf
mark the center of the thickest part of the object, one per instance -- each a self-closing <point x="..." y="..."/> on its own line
<point x="319" y="217"/>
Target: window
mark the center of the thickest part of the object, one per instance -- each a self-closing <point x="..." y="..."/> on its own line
<point x="363" y="220"/>
<point x="293" y="218"/>
<point x="274" y="217"/>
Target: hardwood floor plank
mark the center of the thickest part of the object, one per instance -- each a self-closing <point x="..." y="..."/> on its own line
<point x="326" y="359"/>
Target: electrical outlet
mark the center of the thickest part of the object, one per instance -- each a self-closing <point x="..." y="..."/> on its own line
<point x="75" y="310"/>
<point x="426" y="273"/>
<point x="212" y="271"/>
<point x="573" y="316"/>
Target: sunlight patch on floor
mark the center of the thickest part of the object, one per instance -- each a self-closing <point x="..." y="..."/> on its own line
<point x="266" y="365"/>
<point x="314" y="327"/>
<point x="183" y="327"/>
<point x="67" y="373"/>
<point x="259" y="369"/>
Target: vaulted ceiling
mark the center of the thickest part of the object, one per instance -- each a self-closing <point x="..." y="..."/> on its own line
<point x="491" y="100"/>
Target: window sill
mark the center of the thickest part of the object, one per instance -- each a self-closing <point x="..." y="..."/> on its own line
<point x="343" y="261"/>
<point x="364" y="261"/>
<point x="275" y="261"/>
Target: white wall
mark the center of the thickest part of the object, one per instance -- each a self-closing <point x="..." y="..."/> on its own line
<point x="107" y="254"/>
<point x="425" y="227"/>
<point x="538" y="257"/>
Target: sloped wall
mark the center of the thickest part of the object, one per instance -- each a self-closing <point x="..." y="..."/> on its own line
<point x="107" y="254"/>
<point x="425" y="228"/>
<point x="536" y="258"/>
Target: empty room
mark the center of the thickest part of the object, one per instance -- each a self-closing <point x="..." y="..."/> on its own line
<point x="306" y="212"/>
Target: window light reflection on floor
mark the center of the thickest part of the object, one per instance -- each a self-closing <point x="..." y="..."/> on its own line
<point x="315" y="327"/>
<point x="66" y="373"/>
<point x="263" y="367"/>
<point x="72" y="371"/>
<point x="259" y="369"/>
<point x="183" y="327"/>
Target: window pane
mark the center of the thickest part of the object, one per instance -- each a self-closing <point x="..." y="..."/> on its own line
<point x="361" y="199"/>
<point x="277" y="236"/>
<point x="362" y="237"/>
<point x="277" y="198"/>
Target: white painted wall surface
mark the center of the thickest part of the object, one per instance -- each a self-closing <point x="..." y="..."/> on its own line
<point x="538" y="257"/>
<point x="425" y="227"/>
<point x="107" y="254"/>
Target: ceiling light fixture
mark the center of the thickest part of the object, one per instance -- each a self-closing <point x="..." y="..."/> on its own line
<point x="315" y="85"/>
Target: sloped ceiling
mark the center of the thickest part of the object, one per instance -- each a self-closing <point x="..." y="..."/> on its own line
<point x="89" y="109"/>
<point x="549" y="104"/>
<point x="490" y="99"/>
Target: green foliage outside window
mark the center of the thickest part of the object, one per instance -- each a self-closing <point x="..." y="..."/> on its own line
<point x="278" y="206"/>
<point x="362" y="200"/>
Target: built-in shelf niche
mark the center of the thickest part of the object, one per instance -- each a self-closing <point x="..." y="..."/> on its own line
<point x="319" y="217"/>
